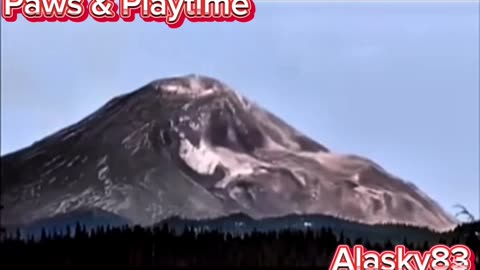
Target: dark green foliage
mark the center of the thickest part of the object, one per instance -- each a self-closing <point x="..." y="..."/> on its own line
<point x="162" y="247"/>
<point x="2" y="229"/>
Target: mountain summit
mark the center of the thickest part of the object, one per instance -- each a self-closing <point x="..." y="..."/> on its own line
<point x="193" y="147"/>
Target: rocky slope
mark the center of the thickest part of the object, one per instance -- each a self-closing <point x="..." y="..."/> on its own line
<point x="193" y="147"/>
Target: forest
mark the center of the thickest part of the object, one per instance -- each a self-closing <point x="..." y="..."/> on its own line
<point x="162" y="246"/>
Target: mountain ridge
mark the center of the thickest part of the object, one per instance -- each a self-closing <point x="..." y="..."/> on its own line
<point x="194" y="147"/>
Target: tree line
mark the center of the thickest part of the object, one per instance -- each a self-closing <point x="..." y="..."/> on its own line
<point x="162" y="246"/>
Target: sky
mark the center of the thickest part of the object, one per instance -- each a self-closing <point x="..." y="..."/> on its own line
<point x="395" y="82"/>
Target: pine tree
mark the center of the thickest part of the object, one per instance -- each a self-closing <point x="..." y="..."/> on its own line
<point x="341" y="239"/>
<point x="43" y="235"/>
<point x="367" y="244"/>
<point x="2" y="229"/>
<point x="68" y="231"/>
<point x="426" y="246"/>
<point x="348" y="242"/>
<point x="18" y="235"/>
<point x="388" y="245"/>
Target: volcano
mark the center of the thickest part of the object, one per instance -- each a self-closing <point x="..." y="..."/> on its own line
<point x="193" y="147"/>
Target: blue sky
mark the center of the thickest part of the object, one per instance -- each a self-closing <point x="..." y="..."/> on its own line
<point x="396" y="82"/>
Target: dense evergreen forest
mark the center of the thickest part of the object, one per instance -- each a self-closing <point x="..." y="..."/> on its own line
<point x="161" y="246"/>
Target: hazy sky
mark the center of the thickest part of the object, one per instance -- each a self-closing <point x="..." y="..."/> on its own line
<point x="398" y="83"/>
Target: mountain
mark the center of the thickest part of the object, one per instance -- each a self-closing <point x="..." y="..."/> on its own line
<point x="192" y="147"/>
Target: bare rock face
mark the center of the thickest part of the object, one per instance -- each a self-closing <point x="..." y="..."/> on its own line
<point x="192" y="147"/>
